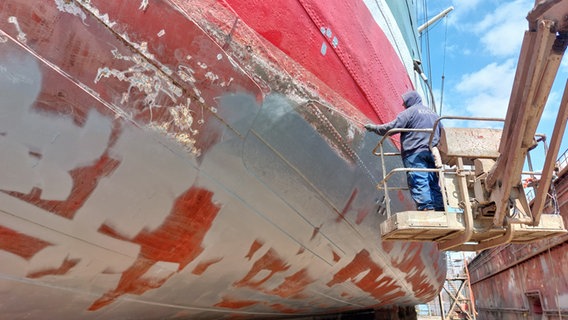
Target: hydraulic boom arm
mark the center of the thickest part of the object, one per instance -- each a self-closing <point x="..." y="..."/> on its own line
<point x="543" y="46"/>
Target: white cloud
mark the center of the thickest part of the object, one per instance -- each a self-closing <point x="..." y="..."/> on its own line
<point x="486" y="92"/>
<point x="493" y="77"/>
<point x="501" y="32"/>
<point x="504" y="40"/>
<point x="484" y="42"/>
<point x="487" y="105"/>
<point x="462" y="11"/>
<point x="469" y="5"/>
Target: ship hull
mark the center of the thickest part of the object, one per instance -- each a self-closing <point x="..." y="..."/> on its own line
<point x="170" y="159"/>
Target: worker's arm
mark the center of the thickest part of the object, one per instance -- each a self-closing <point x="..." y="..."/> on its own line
<point x="381" y="129"/>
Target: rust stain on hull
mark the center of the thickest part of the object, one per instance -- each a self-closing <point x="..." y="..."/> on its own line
<point x="85" y="181"/>
<point x="67" y="265"/>
<point x="271" y="262"/>
<point x="294" y="285"/>
<point x="20" y="244"/>
<point x="422" y="286"/>
<point x="203" y="266"/>
<point x="257" y="244"/>
<point x="177" y="240"/>
<point x="374" y="282"/>
<point x="235" y="304"/>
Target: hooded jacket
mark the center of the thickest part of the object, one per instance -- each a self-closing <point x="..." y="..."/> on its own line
<point x="416" y="116"/>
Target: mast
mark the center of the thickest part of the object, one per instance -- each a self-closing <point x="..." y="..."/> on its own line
<point x="434" y="19"/>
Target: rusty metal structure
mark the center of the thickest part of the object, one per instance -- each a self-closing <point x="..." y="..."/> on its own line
<point x="457" y="291"/>
<point x="526" y="281"/>
<point x="456" y="300"/>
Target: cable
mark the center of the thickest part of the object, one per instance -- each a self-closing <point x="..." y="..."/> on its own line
<point x="427" y="39"/>
<point x="425" y="47"/>
<point x="444" y="65"/>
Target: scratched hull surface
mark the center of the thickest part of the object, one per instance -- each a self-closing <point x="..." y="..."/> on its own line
<point x="172" y="159"/>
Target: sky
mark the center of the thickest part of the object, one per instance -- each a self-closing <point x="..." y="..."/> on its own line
<point x="476" y="47"/>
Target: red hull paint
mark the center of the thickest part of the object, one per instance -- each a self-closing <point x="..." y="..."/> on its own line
<point x="133" y="133"/>
<point x="351" y="64"/>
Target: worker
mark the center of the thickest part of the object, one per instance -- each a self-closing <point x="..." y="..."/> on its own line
<point x="415" y="151"/>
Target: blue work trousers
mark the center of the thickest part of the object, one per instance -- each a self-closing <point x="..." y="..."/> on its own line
<point x="424" y="186"/>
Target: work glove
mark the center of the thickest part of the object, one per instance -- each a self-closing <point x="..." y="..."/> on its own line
<point x="371" y="127"/>
<point x="437" y="157"/>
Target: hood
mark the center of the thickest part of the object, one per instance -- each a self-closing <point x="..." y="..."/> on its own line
<point x="411" y="98"/>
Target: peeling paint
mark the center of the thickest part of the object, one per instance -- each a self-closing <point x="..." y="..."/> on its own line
<point x="143" y="5"/>
<point x="40" y="167"/>
<point x="21" y="35"/>
<point x="186" y="73"/>
<point x="336" y="257"/>
<point x="71" y="8"/>
<point x="185" y="139"/>
<point x="211" y="76"/>
<point x="103" y="17"/>
<point x="182" y="116"/>
<point x="143" y="76"/>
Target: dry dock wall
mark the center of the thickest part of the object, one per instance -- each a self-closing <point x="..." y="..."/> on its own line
<point x="525" y="281"/>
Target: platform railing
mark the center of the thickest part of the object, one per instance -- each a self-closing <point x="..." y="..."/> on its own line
<point x="562" y="161"/>
<point x="379" y="151"/>
<point x="460" y="240"/>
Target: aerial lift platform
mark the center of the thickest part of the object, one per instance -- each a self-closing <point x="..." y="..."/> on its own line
<point x="485" y="203"/>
